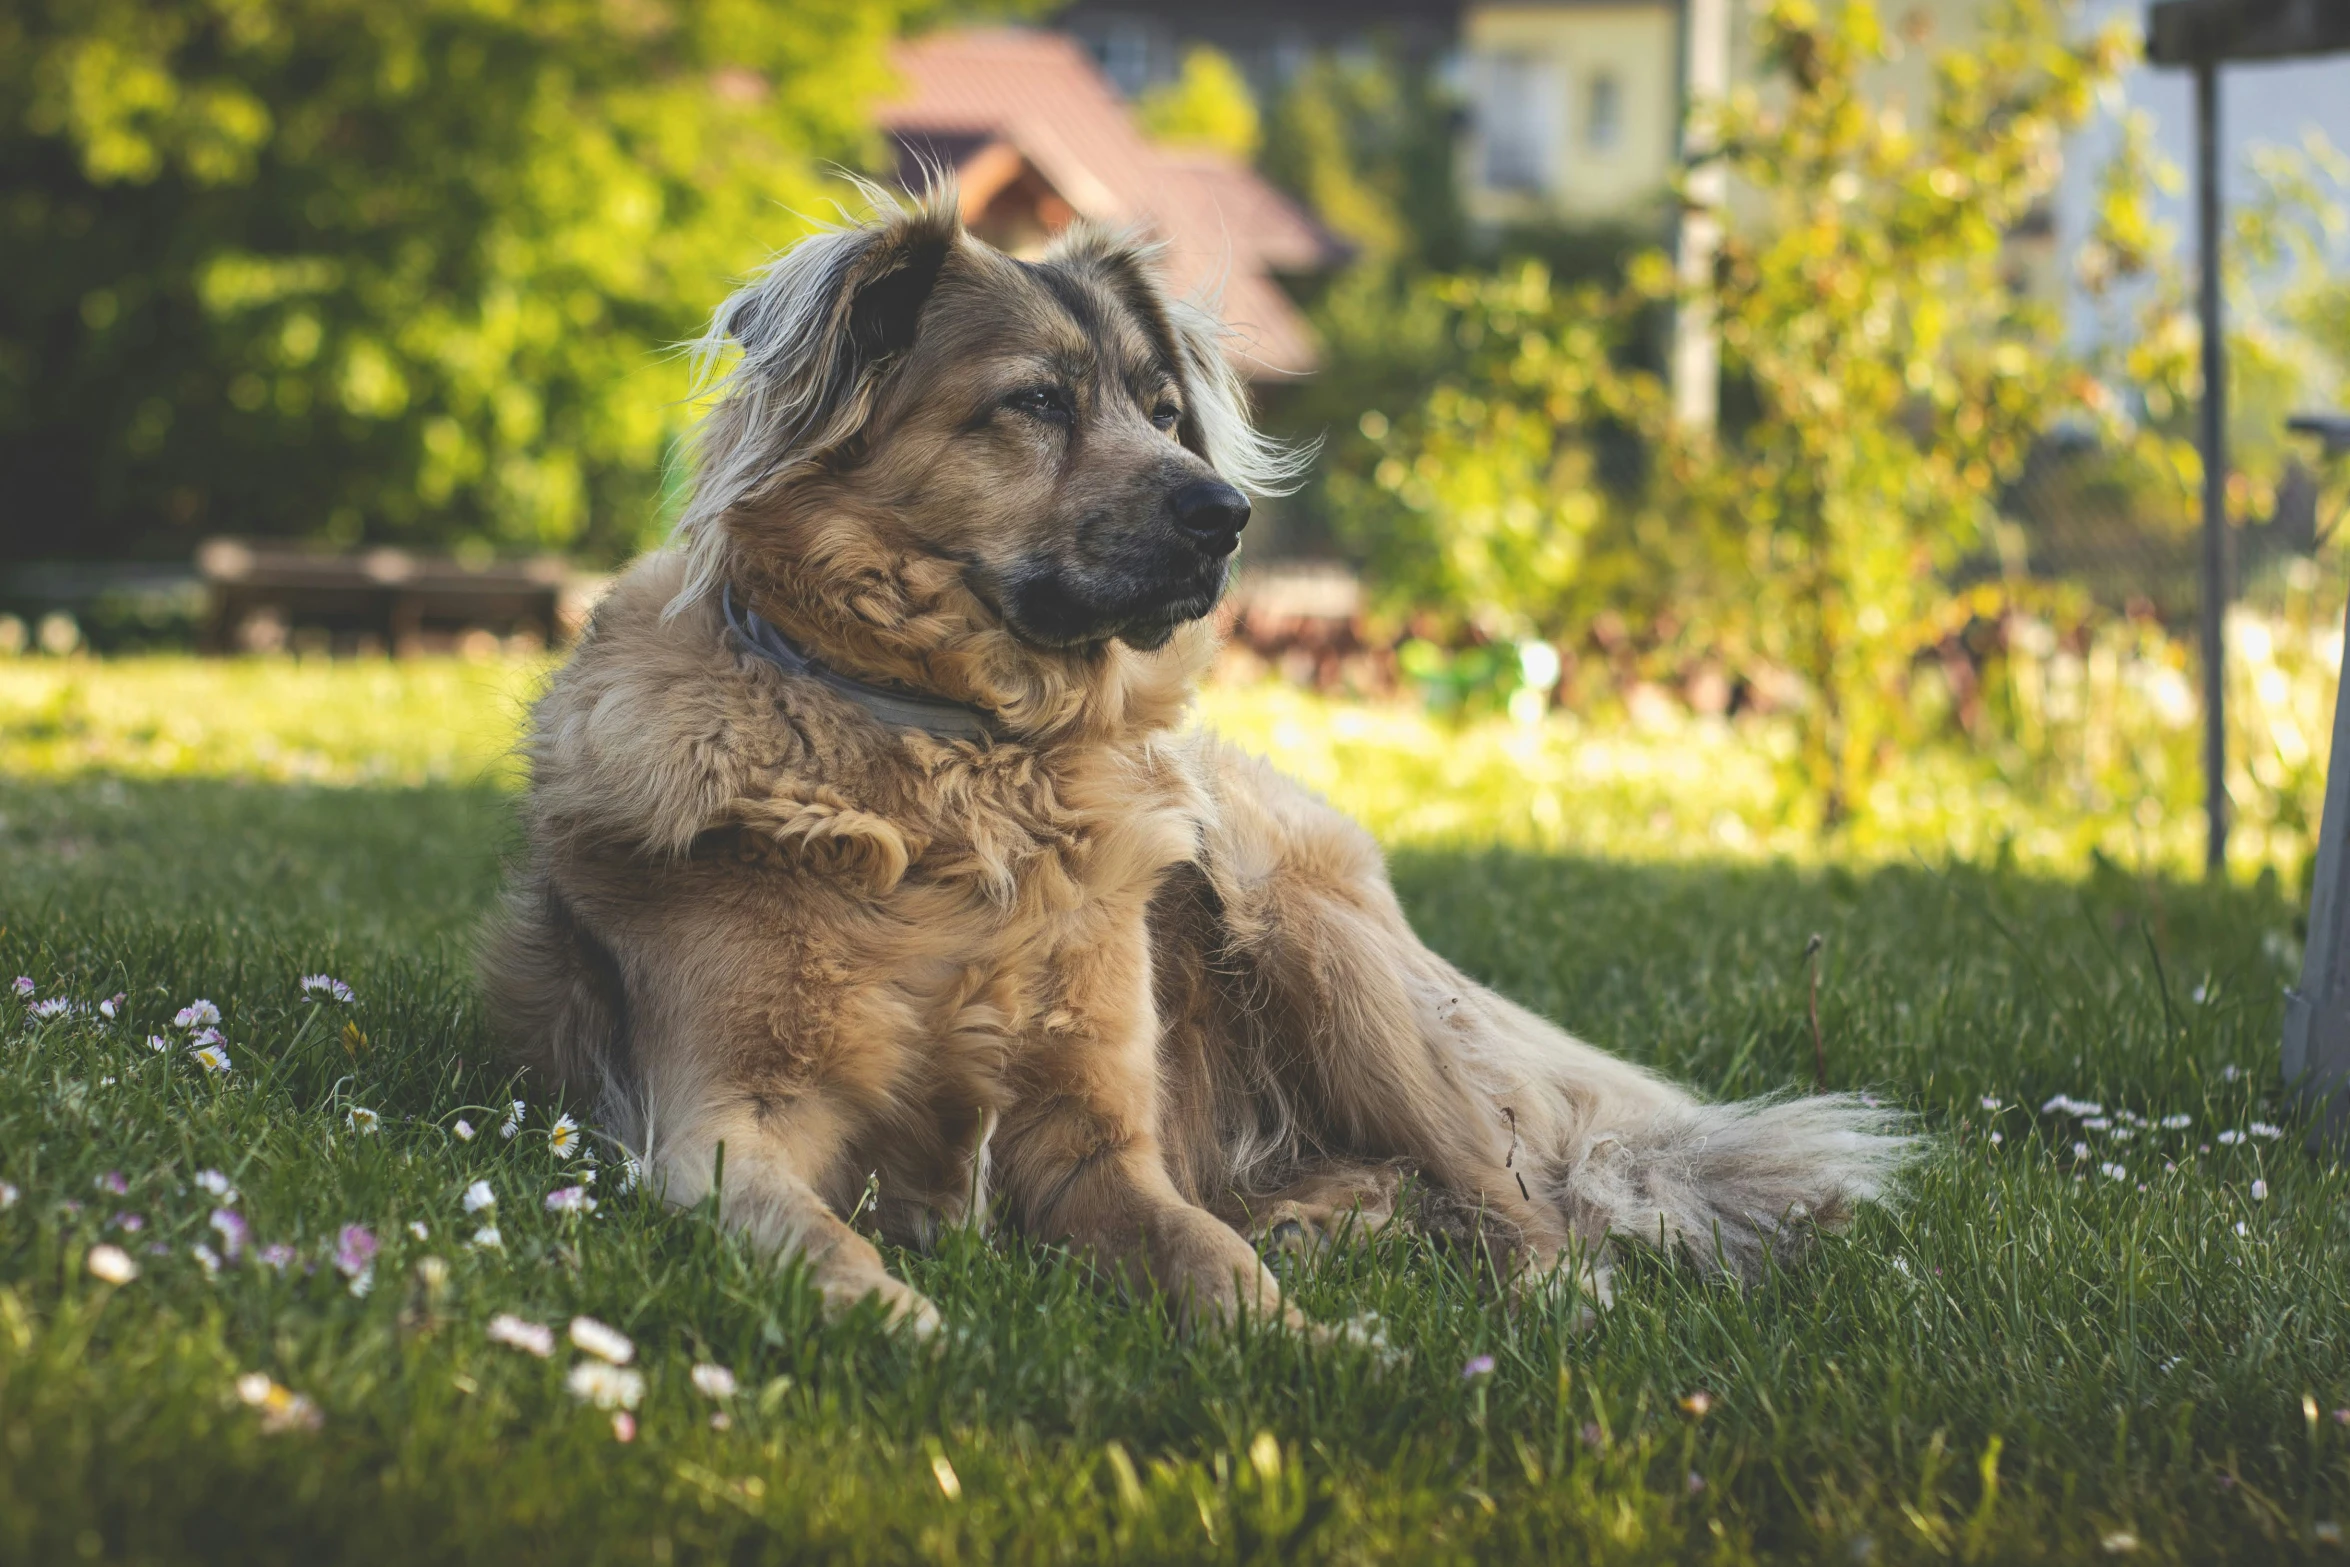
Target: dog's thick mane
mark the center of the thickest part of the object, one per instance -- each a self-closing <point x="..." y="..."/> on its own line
<point x="807" y="347"/>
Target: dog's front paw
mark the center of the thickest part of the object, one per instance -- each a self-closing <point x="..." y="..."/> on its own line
<point x="1583" y="1286"/>
<point x="902" y="1305"/>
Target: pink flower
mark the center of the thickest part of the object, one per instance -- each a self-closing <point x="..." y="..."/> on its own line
<point x="1477" y="1366"/>
<point x="276" y="1256"/>
<point x="355" y="1249"/>
<point x="112" y="1181"/>
<point x="570" y="1199"/>
<point x="234" y="1231"/>
<point x="532" y="1338"/>
<point x="23" y="987"/>
<point x="196" y="1014"/>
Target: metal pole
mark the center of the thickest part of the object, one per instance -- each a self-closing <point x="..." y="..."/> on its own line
<point x="2215" y="469"/>
<point x="1697" y="354"/>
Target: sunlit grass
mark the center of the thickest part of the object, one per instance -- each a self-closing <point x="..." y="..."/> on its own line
<point x="1685" y="788"/>
<point x="2041" y="1356"/>
<point x="281" y="720"/>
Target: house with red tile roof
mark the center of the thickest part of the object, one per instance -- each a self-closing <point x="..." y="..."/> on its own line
<point x="1038" y="138"/>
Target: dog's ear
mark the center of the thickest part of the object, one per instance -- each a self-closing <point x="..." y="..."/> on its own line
<point x="817" y="333"/>
<point x="1216" y="417"/>
<point x="1190" y="337"/>
<point x="820" y="327"/>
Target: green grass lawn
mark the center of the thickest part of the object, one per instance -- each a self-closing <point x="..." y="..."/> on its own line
<point x="2082" y="1333"/>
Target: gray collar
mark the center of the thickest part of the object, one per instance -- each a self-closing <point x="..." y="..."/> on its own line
<point x="934" y="715"/>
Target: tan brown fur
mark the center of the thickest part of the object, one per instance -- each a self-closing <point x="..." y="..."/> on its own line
<point x="1101" y="978"/>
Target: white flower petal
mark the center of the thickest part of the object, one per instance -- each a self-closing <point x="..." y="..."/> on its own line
<point x="602" y="1340"/>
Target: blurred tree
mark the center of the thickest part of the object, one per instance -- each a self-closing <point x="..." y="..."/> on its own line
<point x="387" y="271"/>
<point x="1366" y="142"/>
<point x="1208" y="105"/>
<point x="1890" y="374"/>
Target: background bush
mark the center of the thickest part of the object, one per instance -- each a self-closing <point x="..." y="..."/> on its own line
<point x="388" y="271"/>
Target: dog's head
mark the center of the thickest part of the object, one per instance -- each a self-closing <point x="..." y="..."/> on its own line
<point x="1059" y="435"/>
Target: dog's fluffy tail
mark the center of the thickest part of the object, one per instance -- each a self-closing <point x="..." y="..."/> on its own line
<point x="1733" y="1184"/>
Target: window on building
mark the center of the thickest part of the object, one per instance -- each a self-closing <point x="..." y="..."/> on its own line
<point x="1605" y="126"/>
<point x="1516" y="103"/>
<point x="1123" y="49"/>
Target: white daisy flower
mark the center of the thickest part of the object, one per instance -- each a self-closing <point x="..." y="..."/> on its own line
<point x="2080" y="1150"/>
<point x="2178" y="1122"/>
<point x="365" y="1122"/>
<point x="463" y="1129"/>
<point x="570" y="1199"/>
<point x="196" y="1014"/>
<point x="1990" y="1101"/>
<point x="2114" y="1172"/>
<point x="282" y="1409"/>
<point x="321" y="987"/>
<point x="2230" y="1072"/>
<point x="112" y="1264"/>
<point x="1996" y="1139"/>
<point x="2242" y="1228"/>
<point x="602" y="1340"/>
<point x="479" y="1196"/>
<point x="2263" y="1130"/>
<point x="487" y="1238"/>
<point x="110" y="1006"/>
<point x="2096" y="1123"/>
<point x="631" y="1172"/>
<point x="563" y="1137"/>
<point x="55" y="1006"/>
<point x="211" y="1058"/>
<point x="2259" y="1191"/>
<point x="532" y="1338"/>
<point x="217" y="1184"/>
<point x="513" y="1122"/>
<point x="24" y="987"/>
<point x="206" y="1258"/>
<point x="157" y="1043"/>
<point x="2229" y="1138"/>
<point x="606" y="1387"/>
<point x="713" y="1381"/>
<point x="417" y="1228"/>
<point x="8" y="1196"/>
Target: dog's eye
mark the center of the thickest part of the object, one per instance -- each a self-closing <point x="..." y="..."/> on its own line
<point x="1166" y="416"/>
<point x="1043" y="402"/>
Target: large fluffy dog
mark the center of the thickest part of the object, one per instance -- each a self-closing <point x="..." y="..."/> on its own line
<point x="867" y="854"/>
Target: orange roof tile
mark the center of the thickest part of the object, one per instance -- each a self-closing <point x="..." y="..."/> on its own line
<point x="1220" y="222"/>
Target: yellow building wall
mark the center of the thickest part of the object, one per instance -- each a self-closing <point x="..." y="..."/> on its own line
<point x="1640" y="43"/>
<point x="1635" y="43"/>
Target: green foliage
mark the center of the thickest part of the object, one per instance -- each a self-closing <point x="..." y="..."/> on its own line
<point x="1367" y="143"/>
<point x="1890" y="379"/>
<point x="410" y="271"/>
<point x="2030" y="1356"/>
<point x="1208" y="105"/>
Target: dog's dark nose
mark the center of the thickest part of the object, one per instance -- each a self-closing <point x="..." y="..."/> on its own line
<point x="1211" y="514"/>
